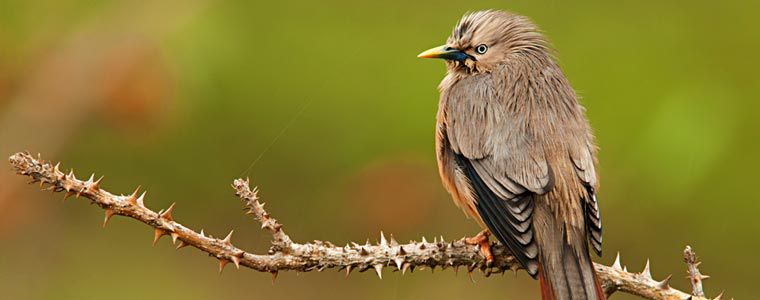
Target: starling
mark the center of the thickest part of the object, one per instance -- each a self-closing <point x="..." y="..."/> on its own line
<point x="516" y="152"/>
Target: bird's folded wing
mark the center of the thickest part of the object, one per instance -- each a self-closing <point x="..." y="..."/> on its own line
<point x="505" y="165"/>
<point x="507" y="215"/>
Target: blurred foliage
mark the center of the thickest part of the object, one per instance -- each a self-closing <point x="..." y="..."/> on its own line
<point x="183" y="96"/>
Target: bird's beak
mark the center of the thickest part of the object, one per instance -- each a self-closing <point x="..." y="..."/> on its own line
<point x="444" y="52"/>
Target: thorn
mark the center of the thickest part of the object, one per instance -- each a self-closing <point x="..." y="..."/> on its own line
<point x="646" y="272"/>
<point x="616" y="264"/>
<point x="383" y="241"/>
<point x="363" y="251"/>
<point x="228" y="239"/>
<point x="625" y="269"/>
<point x="703" y="277"/>
<point x="167" y="215"/>
<point x="141" y="200"/>
<point x="720" y="296"/>
<point x="222" y="263"/>
<point x="90" y="180"/>
<point x="394" y="243"/>
<point x="109" y="214"/>
<point x="349" y="268"/>
<point x="379" y="270"/>
<point x="424" y="241"/>
<point x="133" y="197"/>
<point x="665" y="283"/>
<point x="274" y="276"/>
<point x="236" y="261"/>
<point x="399" y="262"/>
<point x="469" y="274"/>
<point x="404" y="267"/>
<point x="56" y="167"/>
<point x="157" y="234"/>
<point x="67" y="195"/>
<point x="401" y="250"/>
<point x="181" y="245"/>
<point x="202" y="233"/>
<point x="174" y="236"/>
<point x="95" y="186"/>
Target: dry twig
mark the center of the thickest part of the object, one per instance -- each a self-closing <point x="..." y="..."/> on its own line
<point x="285" y="255"/>
<point x="696" y="278"/>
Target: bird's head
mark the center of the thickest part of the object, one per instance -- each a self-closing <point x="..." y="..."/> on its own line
<point x="485" y="39"/>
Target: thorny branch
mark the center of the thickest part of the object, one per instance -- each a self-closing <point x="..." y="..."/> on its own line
<point x="286" y="255"/>
<point x="696" y="278"/>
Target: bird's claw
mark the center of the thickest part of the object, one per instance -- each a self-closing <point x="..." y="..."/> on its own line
<point x="482" y="240"/>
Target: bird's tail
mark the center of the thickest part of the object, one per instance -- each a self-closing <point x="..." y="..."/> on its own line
<point x="568" y="274"/>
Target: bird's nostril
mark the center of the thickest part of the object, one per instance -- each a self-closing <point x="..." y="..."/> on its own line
<point x="448" y="48"/>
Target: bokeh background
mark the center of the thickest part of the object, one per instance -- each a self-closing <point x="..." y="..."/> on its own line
<point x="181" y="97"/>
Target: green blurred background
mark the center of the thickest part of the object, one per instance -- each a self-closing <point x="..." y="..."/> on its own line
<point x="181" y="97"/>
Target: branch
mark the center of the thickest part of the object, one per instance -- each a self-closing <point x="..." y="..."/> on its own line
<point x="696" y="278"/>
<point x="286" y="255"/>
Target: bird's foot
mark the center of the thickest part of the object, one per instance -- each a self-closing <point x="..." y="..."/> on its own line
<point x="482" y="240"/>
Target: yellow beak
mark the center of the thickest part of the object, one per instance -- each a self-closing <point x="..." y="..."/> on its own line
<point x="443" y="52"/>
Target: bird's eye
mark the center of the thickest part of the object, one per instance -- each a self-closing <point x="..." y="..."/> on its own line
<point x="481" y="49"/>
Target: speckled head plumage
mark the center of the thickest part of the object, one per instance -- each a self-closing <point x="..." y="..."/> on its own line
<point x="482" y="40"/>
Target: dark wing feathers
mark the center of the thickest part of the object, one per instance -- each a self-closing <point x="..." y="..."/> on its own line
<point x="593" y="220"/>
<point x="584" y="166"/>
<point x="509" y="219"/>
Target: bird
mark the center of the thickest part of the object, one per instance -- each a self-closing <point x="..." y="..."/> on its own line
<point x="516" y="151"/>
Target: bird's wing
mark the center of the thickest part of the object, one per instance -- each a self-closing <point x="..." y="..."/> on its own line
<point x="508" y="219"/>
<point x="504" y="163"/>
<point x="583" y="161"/>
